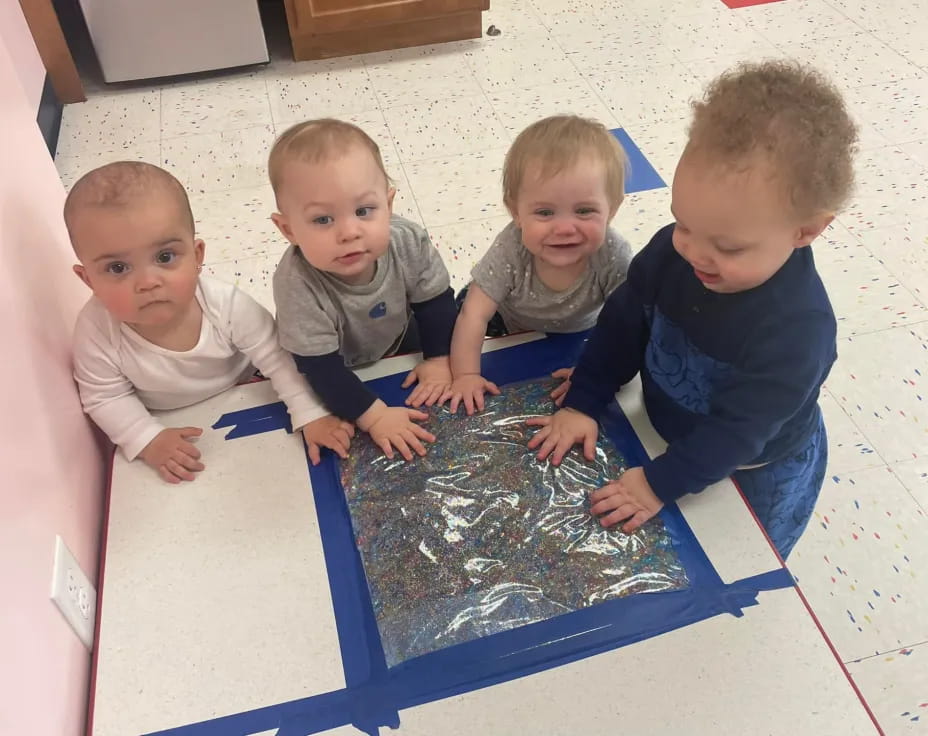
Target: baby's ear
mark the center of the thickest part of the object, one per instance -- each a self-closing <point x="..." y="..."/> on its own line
<point x="812" y="229"/>
<point x="82" y="274"/>
<point x="199" y="250"/>
<point x="513" y="213"/>
<point x="283" y="225"/>
<point x="391" y="193"/>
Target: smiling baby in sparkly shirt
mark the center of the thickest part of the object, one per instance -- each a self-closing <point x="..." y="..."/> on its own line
<point x="553" y="266"/>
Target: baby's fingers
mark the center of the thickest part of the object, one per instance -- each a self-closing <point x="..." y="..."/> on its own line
<point x="167" y="475"/>
<point x="386" y="448"/>
<point x="417" y="397"/>
<point x="189" y="449"/>
<point x="547" y="447"/>
<point x="422" y="433"/>
<point x="400" y="443"/>
<point x="314" y="456"/>
<point x="416" y="416"/>
<point x="626" y="511"/>
<point x="338" y="443"/>
<point x="435" y="394"/>
<point x="608" y="503"/>
<point x="342" y="438"/>
<point x="589" y="446"/>
<point x="563" y="373"/>
<point x="541" y="434"/>
<point x="179" y="470"/>
<point x="633" y="524"/>
<point x="188" y="460"/>
<point x="610" y="489"/>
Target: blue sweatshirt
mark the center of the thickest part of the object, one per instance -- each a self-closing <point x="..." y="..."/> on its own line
<point x="729" y="379"/>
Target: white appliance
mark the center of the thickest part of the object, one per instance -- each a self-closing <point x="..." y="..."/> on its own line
<point x="140" y="39"/>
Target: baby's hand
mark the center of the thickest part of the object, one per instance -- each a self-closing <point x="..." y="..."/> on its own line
<point x="434" y="377"/>
<point x="469" y="389"/>
<point x="628" y="498"/>
<point x="561" y="431"/>
<point x="393" y="426"/>
<point x="172" y="455"/>
<point x="561" y="391"/>
<point x="328" y="431"/>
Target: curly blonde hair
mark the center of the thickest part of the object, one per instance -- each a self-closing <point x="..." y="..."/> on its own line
<point x="792" y="116"/>
<point x="558" y="142"/>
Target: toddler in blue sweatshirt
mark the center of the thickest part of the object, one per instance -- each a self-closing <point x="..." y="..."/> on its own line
<point x="723" y="312"/>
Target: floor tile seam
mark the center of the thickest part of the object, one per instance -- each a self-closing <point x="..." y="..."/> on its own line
<point x="858" y="660"/>
<point x="882" y="460"/>
<point x="451" y="155"/>
<point x="402" y="165"/>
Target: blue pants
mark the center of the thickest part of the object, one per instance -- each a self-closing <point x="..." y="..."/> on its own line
<point x="783" y="493"/>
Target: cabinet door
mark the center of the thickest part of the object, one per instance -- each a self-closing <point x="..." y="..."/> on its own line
<point x="324" y="28"/>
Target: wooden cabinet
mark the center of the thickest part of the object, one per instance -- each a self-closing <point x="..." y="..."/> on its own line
<point x="320" y="29"/>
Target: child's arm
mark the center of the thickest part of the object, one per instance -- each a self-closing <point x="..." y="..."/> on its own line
<point x="109" y="398"/>
<point x="428" y="289"/>
<point x="611" y="358"/>
<point x="346" y="396"/>
<point x="435" y="318"/>
<point x="781" y="369"/>
<point x="468" y="385"/>
<point x="254" y="332"/>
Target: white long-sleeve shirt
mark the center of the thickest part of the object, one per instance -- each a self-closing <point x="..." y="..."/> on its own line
<point x="121" y="375"/>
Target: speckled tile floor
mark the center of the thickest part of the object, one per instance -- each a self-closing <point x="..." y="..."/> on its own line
<point x="444" y="116"/>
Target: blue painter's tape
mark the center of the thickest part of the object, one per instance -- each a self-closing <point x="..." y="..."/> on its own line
<point x="258" y="419"/>
<point x="643" y="176"/>
<point x="374" y="694"/>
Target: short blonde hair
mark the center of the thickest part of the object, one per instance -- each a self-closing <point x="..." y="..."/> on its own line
<point x="558" y="142"/>
<point x="792" y="116"/>
<point x="121" y="184"/>
<point x="314" y="141"/>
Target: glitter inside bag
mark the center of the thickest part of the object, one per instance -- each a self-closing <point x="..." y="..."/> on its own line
<point x="479" y="537"/>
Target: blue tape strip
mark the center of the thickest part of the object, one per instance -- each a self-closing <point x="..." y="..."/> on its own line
<point x="374" y="694"/>
<point x="642" y="176"/>
<point x="258" y="419"/>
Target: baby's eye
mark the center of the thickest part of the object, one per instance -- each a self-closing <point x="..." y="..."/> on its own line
<point x="364" y="211"/>
<point x="586" y="210"/>
<point x="544" y="212"/>
<point x="117" y="268"/>
<point x="165" y="257"/>
<point x="322" y="220"/>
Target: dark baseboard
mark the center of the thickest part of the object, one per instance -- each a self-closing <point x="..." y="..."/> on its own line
<point x="49" y="117"/>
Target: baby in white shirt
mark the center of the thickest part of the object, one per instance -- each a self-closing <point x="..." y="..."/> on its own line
<point x="157" y="335"/>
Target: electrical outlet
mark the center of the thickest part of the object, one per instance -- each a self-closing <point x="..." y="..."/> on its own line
<point x="73" y="593"/>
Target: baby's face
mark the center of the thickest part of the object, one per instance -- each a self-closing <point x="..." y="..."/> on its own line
<point x="140" y="259"/>
<point x="733" y="227"/>
<point x="563" y="218"/>
<point x="337" y="212"/>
